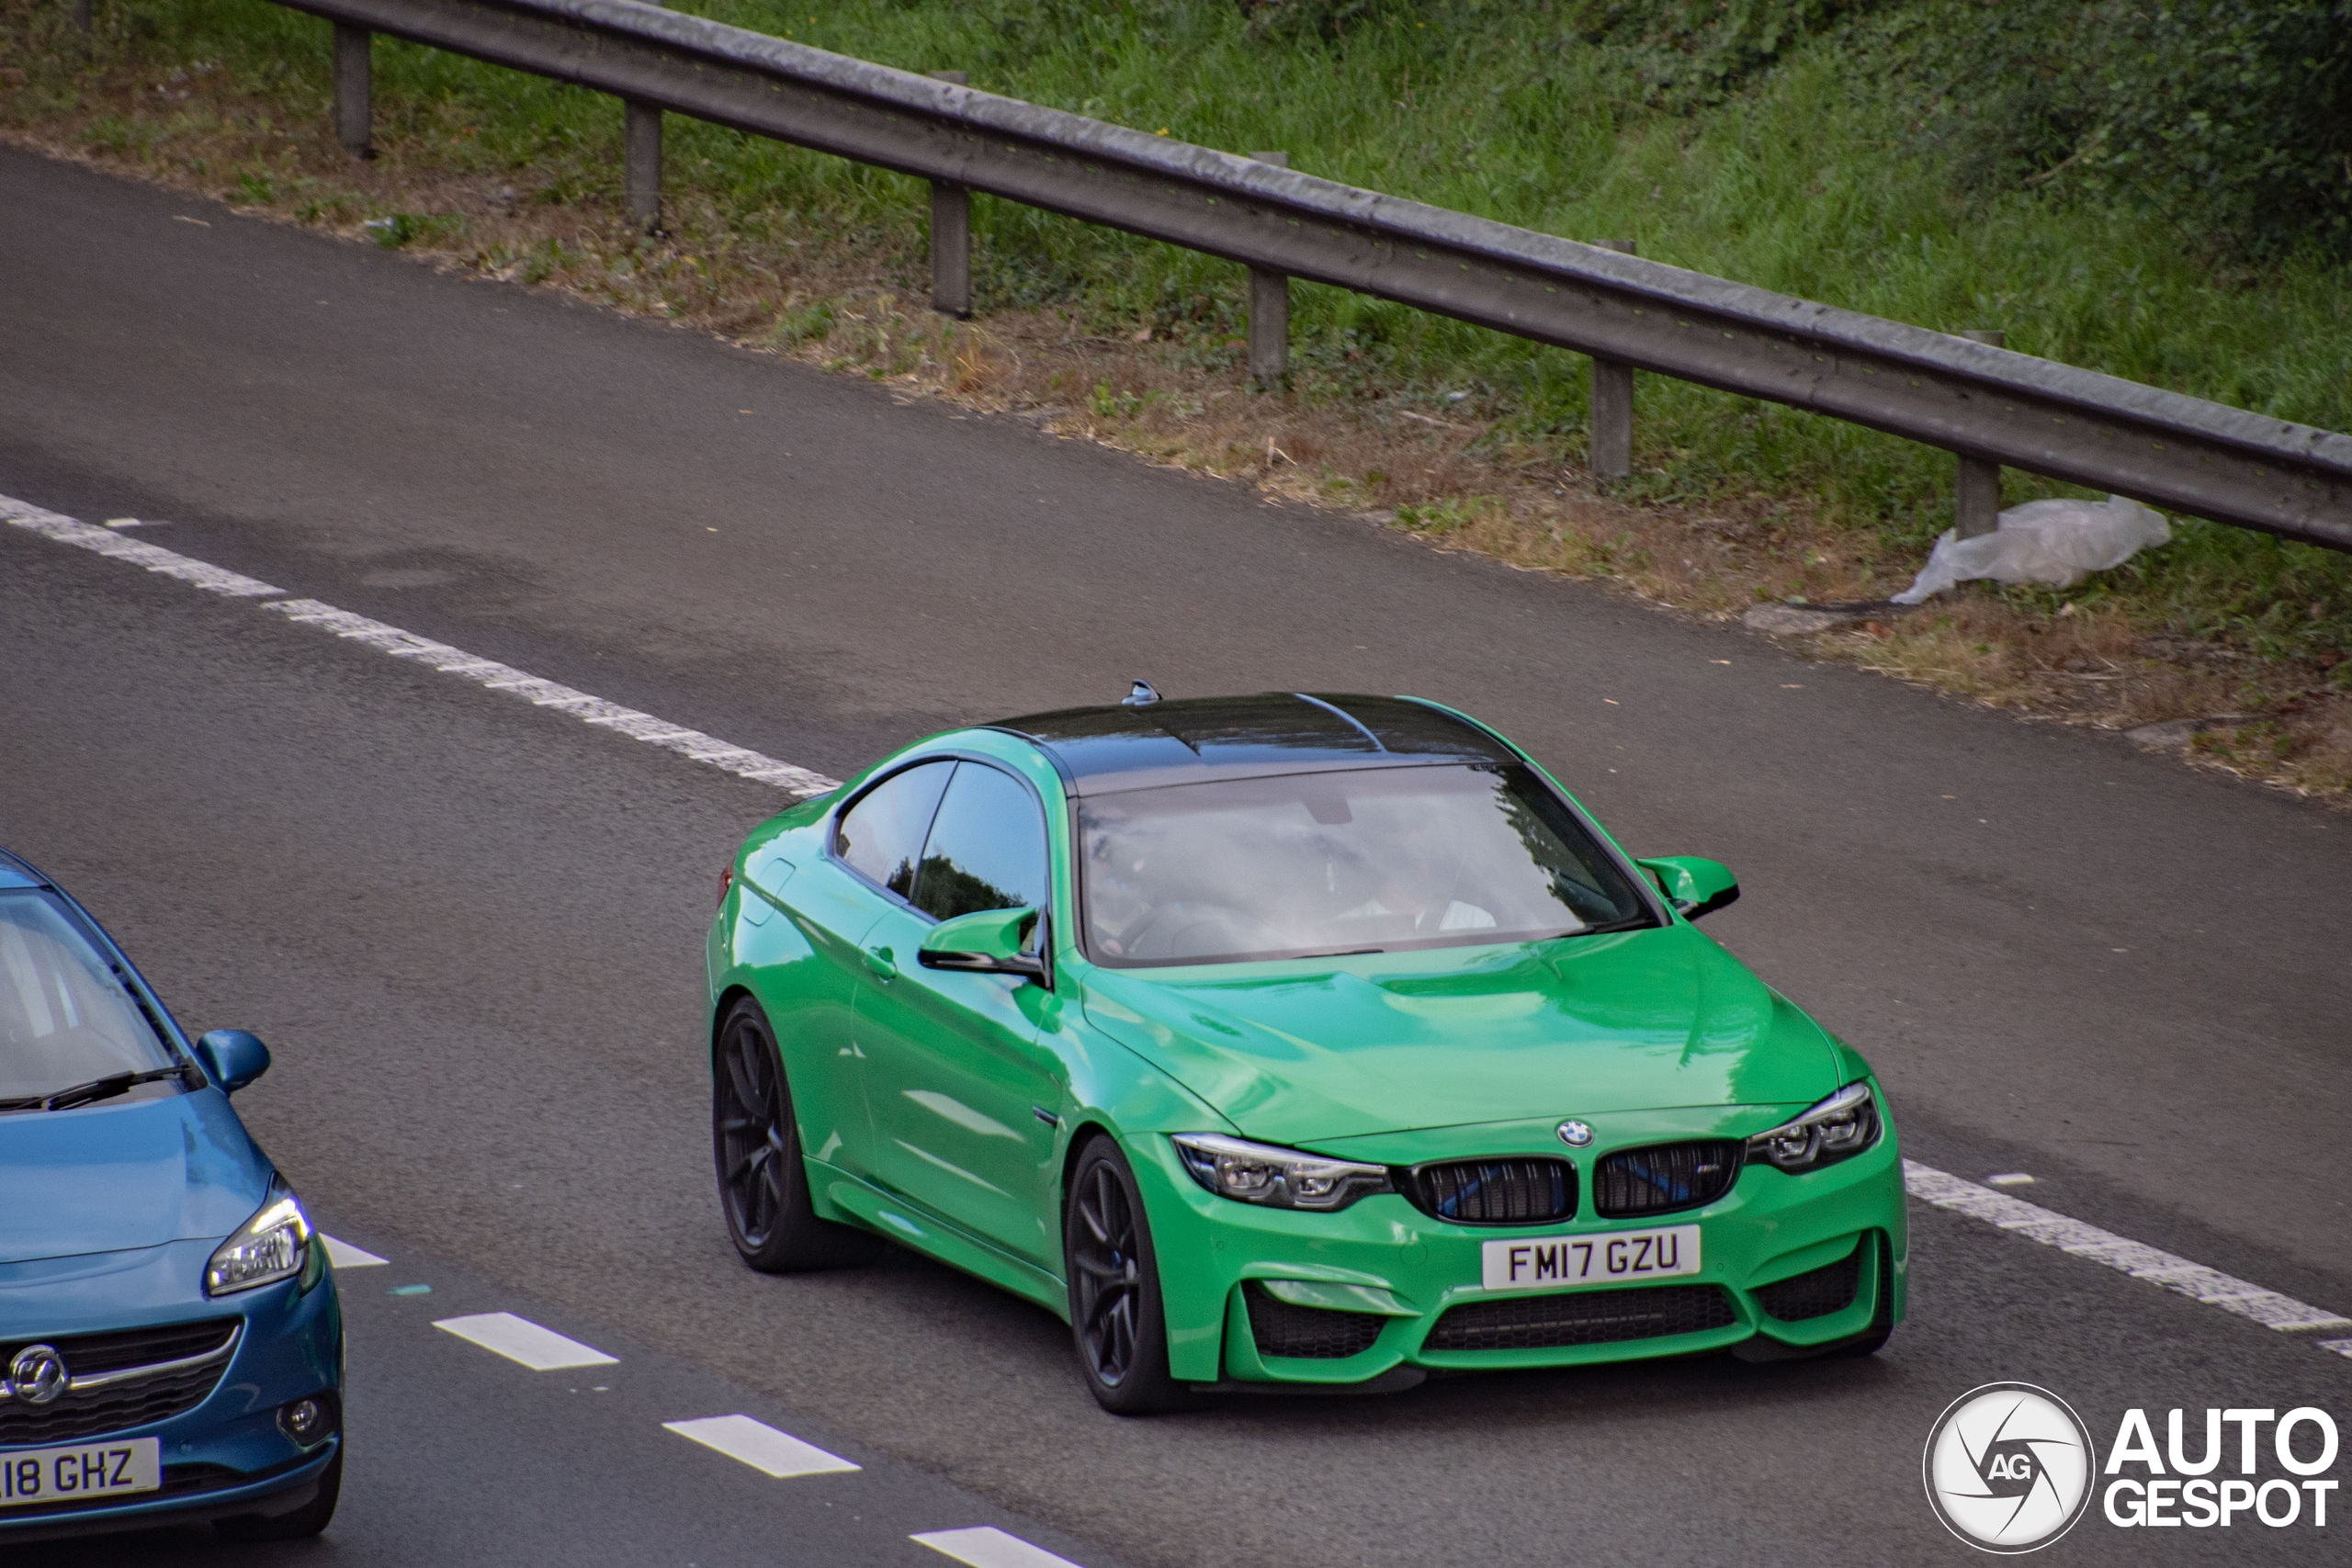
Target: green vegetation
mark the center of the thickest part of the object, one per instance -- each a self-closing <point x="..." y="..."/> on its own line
<point x="2160" y="192"/>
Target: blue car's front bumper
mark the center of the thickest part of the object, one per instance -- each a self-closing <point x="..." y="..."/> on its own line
<point x="225" y="1455"/>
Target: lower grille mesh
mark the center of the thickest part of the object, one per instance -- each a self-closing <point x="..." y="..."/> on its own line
<point x="1817" y="1292"/>
<point x="1318" y="1334"/>
<point x="1583" y="1317"/>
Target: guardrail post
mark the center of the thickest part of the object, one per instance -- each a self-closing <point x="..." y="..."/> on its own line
<point x="641" y="160"/>
<point x="1612" y="411"/>
<point x="355" y="110"/>
<point x="951" y="236"/>
<point x="1268" y="311"/>
<point x="1976" y="490"/>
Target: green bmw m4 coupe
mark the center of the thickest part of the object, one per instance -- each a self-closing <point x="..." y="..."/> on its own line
<point x="1286" y="1040"/>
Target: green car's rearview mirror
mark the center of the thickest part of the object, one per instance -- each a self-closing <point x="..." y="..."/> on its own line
<point x="1693" y="886"/>
<point x="990" y="943"/>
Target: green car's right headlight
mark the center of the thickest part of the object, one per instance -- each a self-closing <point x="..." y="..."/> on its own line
<point x="1838" y="1128"/>
<point x="1278" y="1178"/>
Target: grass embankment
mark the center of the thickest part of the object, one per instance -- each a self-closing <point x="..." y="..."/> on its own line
<point x="1811" y="168"/>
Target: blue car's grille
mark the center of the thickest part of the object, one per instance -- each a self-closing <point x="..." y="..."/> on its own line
<point x="1582" y="1317"/>
<point x="1493" y="1191"/>
<point x="1664" y="1177"/>
<point x="126" y="1399"/>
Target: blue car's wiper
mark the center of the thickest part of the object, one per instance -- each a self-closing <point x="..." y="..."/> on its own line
<point x="106" y="1088"/>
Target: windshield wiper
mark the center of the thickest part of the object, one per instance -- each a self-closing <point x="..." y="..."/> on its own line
<point x="1631" y="923"/>
<point x="106" y="1088"/>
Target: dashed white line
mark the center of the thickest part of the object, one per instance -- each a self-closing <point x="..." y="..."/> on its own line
<point x="155" y="557"/>
<point x="692" y="744"/>
<point x="989" y="1547"/>
<point x="343" y="1255"/>
<point x="520" y="1339"/>
<point x="761" y="1446"/>
<point x="2138" y="1259"/>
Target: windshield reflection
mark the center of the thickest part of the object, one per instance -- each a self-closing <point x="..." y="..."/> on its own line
<point x="1352" y="861"/>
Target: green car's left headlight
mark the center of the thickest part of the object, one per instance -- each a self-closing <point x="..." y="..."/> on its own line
<point x="274" y="1245"/>
<point x="1277" y="1177"/>
<point x="1838" y="1128"/>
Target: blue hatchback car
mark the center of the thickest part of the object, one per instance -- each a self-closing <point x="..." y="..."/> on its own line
<point x="171" y="1344"/>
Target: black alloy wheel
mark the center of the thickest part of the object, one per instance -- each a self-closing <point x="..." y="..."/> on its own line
<point x="1115" y="1306"/>
<point x="762" y="1184"/>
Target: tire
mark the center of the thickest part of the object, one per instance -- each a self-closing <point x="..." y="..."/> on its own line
<point x="755" y="1145"/>
<point x="302" y="1524"/>
<point x="1115" y="1315"/>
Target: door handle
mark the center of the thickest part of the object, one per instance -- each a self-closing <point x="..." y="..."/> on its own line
<point x="884" y="963"/>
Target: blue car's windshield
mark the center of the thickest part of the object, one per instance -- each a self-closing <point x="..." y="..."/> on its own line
<point x="65" y="1017"/>
<point x="1370" y="860"/>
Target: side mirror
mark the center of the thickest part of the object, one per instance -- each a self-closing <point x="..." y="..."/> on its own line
<point x="990" y="943"/>
<point x="1692" y="885"/>
<point x="231" y="1058"/>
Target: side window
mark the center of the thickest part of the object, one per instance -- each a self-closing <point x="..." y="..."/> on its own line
<point x="986" y="849"/>
<point x="881" y="836"/>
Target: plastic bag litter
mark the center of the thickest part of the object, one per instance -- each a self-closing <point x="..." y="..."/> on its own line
<point x="2057" y="542"/>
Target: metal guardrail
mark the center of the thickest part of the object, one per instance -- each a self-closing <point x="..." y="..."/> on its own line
<point x="1984" y="403"/>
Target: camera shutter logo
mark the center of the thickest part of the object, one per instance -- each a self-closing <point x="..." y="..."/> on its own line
<point x="2009" y="1467"/>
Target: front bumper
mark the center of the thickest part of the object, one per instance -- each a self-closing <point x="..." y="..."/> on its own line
<point x="1385" y="1259"/>
<point x="225" y="1455"/>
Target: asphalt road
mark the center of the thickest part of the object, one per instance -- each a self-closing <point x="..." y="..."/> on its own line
<point x="469" y="929"/>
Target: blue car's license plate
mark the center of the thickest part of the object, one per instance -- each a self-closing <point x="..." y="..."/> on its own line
<point x="79" y="1470"/>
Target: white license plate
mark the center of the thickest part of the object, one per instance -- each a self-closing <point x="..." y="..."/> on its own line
<point x="80" y="1470"/>
<point x="1611" y="1257"/>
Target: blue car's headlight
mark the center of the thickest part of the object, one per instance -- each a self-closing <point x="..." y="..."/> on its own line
<point x="1838" y="1128"/>
<point x="1278" y="1178"/>
<point x="274" y="1245"/>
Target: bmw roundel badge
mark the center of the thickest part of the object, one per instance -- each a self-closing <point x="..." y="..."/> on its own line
<point x="1576" y="1135"/>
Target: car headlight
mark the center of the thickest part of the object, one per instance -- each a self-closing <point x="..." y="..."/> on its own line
<point x="1840" y="1127"/>
<point x="274" y="1245"/>
<point x="1278" y="1178"/>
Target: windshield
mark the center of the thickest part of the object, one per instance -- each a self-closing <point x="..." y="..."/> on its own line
<point x="1361" y="861"/>
<point x="64" y="1017"/>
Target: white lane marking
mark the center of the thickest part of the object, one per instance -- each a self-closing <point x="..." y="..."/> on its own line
<point x="2011" y="1178"/>
<point x="343" y="1255"/>
<point x="692" y="744"/>
<point x="520" y="1339"/>
<point x="2141" y="1261"/>
<point x="155" y="557"/>
<point x="2341" y="1347"/>
<point x="988" y="1547"/>
<point x="760" y="1446"/>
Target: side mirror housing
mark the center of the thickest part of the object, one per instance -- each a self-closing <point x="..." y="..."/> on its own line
<point x="231" y="1058"/>
<point x="1694" y="886"/>
<point x="994" y="941"/>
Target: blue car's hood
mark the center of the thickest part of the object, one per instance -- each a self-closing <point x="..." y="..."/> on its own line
<point x="107" y="1177"/>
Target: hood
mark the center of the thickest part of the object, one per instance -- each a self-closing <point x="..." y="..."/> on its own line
<point x="1631" y="1021"/>
<point x="110" y="1178"/>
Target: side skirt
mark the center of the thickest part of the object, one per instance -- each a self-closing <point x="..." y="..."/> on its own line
<point x="888" y="1214"/>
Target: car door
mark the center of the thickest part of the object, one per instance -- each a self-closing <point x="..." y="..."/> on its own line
<point x="834" y="902"/>
<point x="960" y="1087"/>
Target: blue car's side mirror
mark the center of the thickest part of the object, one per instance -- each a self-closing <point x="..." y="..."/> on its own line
<point x="231" y="1058"/>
